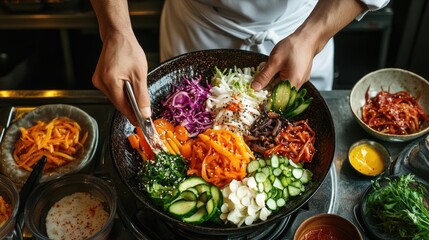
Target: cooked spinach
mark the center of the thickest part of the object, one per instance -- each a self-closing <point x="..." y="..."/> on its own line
<point x="161" y="177"/>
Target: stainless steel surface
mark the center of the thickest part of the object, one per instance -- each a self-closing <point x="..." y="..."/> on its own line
<point x="146" y="124"/>
<point x="339" y="194"/>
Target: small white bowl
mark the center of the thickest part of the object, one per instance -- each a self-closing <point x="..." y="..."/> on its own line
<point x="392" y="80"/>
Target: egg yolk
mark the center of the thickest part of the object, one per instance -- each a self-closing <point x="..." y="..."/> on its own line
<point x="366" y="159"/>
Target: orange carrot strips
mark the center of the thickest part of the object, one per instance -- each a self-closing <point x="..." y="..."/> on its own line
<point x="59" y="140"/>
<point x="219" y="156"/>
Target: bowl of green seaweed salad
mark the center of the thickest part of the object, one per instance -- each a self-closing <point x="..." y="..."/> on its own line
<point x="396" y="207"/>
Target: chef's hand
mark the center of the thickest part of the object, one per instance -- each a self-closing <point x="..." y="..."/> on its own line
<point x="292" y="59"/>
<point x="122" y="58"/>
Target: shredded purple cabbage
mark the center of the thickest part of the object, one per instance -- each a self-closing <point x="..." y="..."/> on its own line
<point x="186" y="106"/>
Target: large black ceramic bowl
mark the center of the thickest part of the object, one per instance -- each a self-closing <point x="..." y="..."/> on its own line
<point x="127" y="161"/>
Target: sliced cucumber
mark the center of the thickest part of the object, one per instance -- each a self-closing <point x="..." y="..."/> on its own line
<point x="202" y="188"/>
<point x="204" y="197"/>
<point x="293" y="94"/>
<point x="198" y="217"/>
<point x="301" y="108"/>
<point x="278" y="184"/>
<point x="191" y="182"/>
<point x="271" y="204"/>
<point x="298" y="101"/>
<point x="200" y="204"/>
<point x="252" y="166"/>
<point x="297" y="173"/>
<point x="183" y="208"/>
<point x="287" y="100"/>
<point x="281" y="202"/>
<point x="293" y="191"/>
<point x="211" y="208"/>
<point x="216" y="196"/>
<point x="274" y="161"/>
<point x="278" y="95"/>
<point x="195" y="197"/>
<point x="286" y="194"/>
<point x="280" y="179"/>
<point x="188" y="195"/>
<point x="306" y="176"/>
<point x="267" y="186"/>
<point x="192" y="189"/>
<point x="277" y="172"/>
<point x="260" y="177"/>
<point x="294" y="164"/>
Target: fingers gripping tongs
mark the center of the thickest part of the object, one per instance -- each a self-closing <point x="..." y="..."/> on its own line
<point x="146" y="124"/>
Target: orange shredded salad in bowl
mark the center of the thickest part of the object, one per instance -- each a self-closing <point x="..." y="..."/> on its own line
<point x="59" y="140"/>
<point x="65" y="134"/>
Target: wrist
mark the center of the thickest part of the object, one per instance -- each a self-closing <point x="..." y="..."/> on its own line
<point x="314" y="40"/>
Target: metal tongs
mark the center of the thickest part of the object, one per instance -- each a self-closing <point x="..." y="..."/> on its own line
<point x="32" y="181"/>
<point x="146" y="124"/>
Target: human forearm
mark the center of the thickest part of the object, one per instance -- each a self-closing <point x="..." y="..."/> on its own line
<point x="121" y="58"/>
<point x="113" y="16"/>
<point x="326" y="19"/>
<point x="292" y="57"/>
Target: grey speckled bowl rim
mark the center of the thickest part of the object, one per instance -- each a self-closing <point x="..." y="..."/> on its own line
<point x="383" y="136"/>
<point x="19" y="176"/>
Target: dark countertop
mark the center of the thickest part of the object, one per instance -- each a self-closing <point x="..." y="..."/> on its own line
<point x="348" y="186"/>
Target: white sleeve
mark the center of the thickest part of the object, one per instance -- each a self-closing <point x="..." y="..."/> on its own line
<point x="372" y="5"/>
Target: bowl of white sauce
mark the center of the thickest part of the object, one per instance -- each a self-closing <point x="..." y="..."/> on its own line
<point x="75" y="206"/>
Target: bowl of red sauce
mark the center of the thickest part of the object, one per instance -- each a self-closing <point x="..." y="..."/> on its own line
<point x="391" y="104"/>
<point x="327" y="226"/>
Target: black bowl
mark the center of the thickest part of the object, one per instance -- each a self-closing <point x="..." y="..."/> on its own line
<point x="363" y="213"/>
<point x="160" y="80"/>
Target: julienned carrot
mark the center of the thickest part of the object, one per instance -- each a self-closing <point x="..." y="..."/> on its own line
<point x="176" y="140"/>
<point x="138" y="141"/>
<point x="134" y="141"/>
<point x="59" y="140"/>
<point x="219" y="156"/>
<point x="182" y="147"/>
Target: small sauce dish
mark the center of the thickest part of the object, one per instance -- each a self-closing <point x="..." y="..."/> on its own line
<point x="369" y="158"/>
<point x="330" y="226"/>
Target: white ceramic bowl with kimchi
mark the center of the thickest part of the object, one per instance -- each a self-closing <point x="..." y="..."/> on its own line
<point x="392" y="104"/>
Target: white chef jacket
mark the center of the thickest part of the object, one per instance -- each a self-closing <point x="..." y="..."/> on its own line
<point x="192" y="25"/>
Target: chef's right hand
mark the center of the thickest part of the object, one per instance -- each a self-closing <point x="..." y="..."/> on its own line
<point x="290" y="59"/>
<point x="122" y="58"/>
